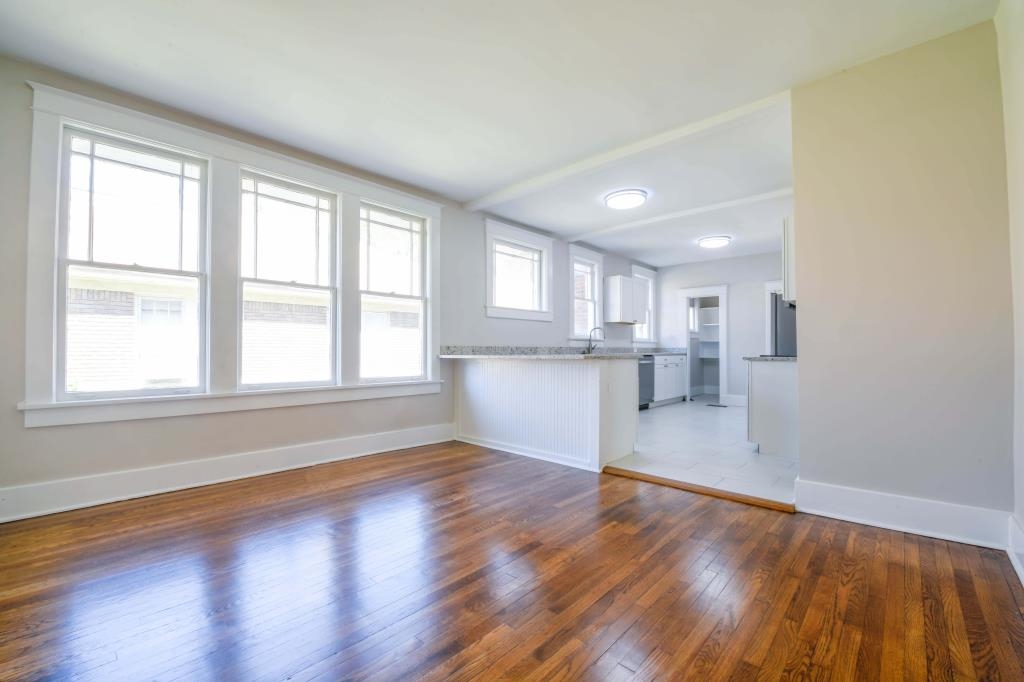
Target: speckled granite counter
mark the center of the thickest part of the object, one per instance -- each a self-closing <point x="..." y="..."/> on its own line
<point x="549" y="353"/>
<point x="771" y="358"/>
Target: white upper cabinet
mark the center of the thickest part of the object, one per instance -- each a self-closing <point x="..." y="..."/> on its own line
<point x="788" y="260"/>
<point x="625" y="300"/>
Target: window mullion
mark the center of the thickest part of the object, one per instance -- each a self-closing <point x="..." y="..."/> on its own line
<point x="350" y="318"/>
<point x="224" y="302"/>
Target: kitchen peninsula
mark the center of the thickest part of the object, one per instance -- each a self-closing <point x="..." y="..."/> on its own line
<point x="558" y="404"/>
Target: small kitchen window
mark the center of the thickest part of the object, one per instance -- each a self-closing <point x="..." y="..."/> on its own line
<point x="645" y="281"/>
<point x="586" y="290"/>
<point x="518" y="273"/>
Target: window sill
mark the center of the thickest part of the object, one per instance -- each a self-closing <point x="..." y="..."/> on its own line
<point x="517" y="314"/>
<point x="150" y="407"/>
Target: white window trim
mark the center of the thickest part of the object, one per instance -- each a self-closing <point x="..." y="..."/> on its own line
<point x="53" y="109"/>
<point x="500" y="231"/>
<point x="652" y="275"/>
<point x="581" y="254"/>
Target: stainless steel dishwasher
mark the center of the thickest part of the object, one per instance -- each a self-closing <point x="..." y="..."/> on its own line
<point x="646" y="368"/>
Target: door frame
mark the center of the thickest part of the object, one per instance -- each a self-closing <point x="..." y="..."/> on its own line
<point x="722" y="292"/>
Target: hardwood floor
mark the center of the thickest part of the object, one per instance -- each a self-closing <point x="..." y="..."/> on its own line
<point x="455" y="562"/>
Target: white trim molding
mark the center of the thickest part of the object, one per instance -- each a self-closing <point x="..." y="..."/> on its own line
<point x="38" y="499"/>
<point x="932" y="518"/>
<point x="150" y="407"/>
<point x="1015" y="546"/>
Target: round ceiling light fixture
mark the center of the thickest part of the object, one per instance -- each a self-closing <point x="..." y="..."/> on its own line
<point x="624" y="199"/>
<point x="714" y="242"/>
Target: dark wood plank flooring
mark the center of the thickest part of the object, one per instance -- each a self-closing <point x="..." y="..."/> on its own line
<point x="455" y="562"/>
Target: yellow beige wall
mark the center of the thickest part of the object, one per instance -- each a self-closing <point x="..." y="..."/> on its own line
<point x="903" y="265"/>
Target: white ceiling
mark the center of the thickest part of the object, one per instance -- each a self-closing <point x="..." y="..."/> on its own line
<point x="717" y="177"/>
<point x="464" y="97"/>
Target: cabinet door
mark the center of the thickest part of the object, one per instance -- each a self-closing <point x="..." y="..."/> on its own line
<point x="618" y="306"/>
<point x="640" y="295"/>
<point x="677" y="380"/>
<point x="662" y="381"/>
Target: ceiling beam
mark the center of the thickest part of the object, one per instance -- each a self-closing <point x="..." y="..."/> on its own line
<point x="552" y="177"/>
<point x="685" y="213"/>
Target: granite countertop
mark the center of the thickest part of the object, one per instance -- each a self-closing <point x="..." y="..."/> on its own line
<point x="771" y="358"/>
<point x="537" y="356"/>
<point x="548" y="353"/>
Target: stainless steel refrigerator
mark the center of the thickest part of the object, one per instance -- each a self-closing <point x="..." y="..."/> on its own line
<point x="783" y="327"/>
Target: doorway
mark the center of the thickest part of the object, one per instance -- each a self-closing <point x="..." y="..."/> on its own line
<point x="707" y="357"/>
<point x="700" y="444"/>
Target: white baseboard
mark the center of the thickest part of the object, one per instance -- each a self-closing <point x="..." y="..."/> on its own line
<point x="37" y="499"/>
<point x="733" y="399"/>
<point x="1015" y="546"/>
<point x="944" y="520"/>
<point x="526" y="452"/>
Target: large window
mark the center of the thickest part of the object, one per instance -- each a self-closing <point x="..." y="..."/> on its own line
<point x="288" y="287"/>
<point x="132" y="269"/>
<point x="586" y="290"/>
<point x="644" y="282"/>
<point x="166" y="260"/>
<point x="392" y="304"/>
<point x="518" y="273"/>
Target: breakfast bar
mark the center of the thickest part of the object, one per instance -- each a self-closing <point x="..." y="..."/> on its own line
<point x="556" y="404"/>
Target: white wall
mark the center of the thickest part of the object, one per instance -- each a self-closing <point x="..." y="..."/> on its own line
<point x="745" y="277"/>
<point x="1010" y="29"/>
<point x="464" y="294"/>
<point x="905" y="333"/>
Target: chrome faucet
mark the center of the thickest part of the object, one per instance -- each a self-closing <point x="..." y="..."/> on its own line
<point x="590" y="340"/>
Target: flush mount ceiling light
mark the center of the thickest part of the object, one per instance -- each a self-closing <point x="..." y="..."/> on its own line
<point x="714" y="242"/>
<point x="625" y="199"/>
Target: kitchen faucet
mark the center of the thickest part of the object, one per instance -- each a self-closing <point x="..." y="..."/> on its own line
<point x="590" y="340"/>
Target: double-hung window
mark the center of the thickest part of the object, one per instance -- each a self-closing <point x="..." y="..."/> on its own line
<point x="392" y="302"/>
<point x="288" y="283"/>
<point x="131" y="269"/>
<point x="165" y="260"/>
<point x="644" y="282"/>
<point x="586" y="290"/>
<point x="518" y="273"/>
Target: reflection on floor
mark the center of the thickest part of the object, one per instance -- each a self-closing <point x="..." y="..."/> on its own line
<point x="696" y="443"/>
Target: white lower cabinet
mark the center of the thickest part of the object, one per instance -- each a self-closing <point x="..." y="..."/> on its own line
<point x="669" y="377"/>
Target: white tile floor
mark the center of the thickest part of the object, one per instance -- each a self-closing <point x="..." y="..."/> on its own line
<point x="696" y="443"/>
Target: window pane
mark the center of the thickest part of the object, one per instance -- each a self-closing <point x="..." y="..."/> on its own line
<point x="78" y="207"/>
<point x="583" y="317"/>
<point x="324" y="266"/>
<point x="272" y="190"/>
<point x="390" y="255"/>
<point x="583" y="279"/>
<point x="151" y="161"/>
<point x="136" y="215"/>
<point x="129" y="330"/>
<point x="391" y="343"/>
<point x="286" y="334"/>
<point x="285" y="241"/>
<point x="516" y="276"/>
